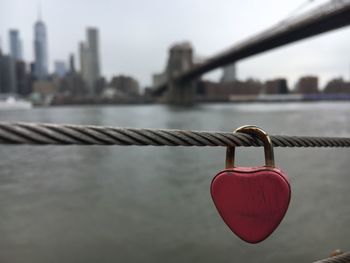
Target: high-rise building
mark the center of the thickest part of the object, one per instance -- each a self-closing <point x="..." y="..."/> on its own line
<point x="22" y="79"/>
<point x="89" y="59"/>
<point x="15" y="45"/>
<point x="7" y="74"/>
<point x="60" y="68"/>
<point x="40" y="50"/>
<point x="92" y="37"/>
<point x="71" y="63"/>
<point x="84" y="61"/>
<point x="229" y="74"/>
<point x="72" y="84"/>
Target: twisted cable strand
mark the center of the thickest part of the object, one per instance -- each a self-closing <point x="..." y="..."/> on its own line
<point x="40" y="133"/>
<point x="343" y="258"/>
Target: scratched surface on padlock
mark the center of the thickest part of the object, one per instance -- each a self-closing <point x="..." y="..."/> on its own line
<point x="152" y="204"/>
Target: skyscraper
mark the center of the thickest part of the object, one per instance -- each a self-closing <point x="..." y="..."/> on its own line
<point x="84" y="62"/>
<point x="60" y="68"/>
<point x="23" y="82"/>
<point x="40" y="50"/>
<point x="15" y="45"/>
<point x="71" y="63"/>
<point x="89" y="59"/>
<point x="7" y="74"/>
<point x="92" y="37"/>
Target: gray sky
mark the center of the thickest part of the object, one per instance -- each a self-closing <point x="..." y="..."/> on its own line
<point x="136" y="34"/>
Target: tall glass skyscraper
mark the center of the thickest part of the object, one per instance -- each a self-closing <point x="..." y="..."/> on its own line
<point x="15" y="45"/>
<point x="40" y="50"/>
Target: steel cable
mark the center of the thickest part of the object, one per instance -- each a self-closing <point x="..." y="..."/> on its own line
<point x="342" y="258"/>
<point x="42" y="134"/>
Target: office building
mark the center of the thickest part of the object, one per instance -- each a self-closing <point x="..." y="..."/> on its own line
<point x="307" y="85"/>
<point x="71" y="63"/>
<point x="40" y="50"/>
<point x="337" y="85"/>
<point x="60" y="69"/>
<point x="89" y="59"/>
<point x="125" y="86"/>
<point x="15" y="45"/>
<point x="72" y="84"/>
<point x="7" y="74"/>
<point x="24" y="87"/>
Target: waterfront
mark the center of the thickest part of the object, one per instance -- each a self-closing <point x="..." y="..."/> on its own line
<point x="152" y="204"/>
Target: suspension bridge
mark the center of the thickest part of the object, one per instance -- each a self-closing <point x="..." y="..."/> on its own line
<point x="181" y="73"/>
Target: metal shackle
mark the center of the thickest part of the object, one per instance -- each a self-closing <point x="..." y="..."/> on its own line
<point x="260" y="134"/>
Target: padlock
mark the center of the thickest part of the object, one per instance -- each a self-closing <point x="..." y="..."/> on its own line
<point x="252" y="201"/>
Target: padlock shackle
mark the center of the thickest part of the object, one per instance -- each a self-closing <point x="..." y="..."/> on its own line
<point x="260" y="134"/>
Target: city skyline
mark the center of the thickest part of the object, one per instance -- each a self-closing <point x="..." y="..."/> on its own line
<point x="325" y="54"/>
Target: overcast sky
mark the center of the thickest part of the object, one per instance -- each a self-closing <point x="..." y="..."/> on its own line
<point x="136" y="34"/>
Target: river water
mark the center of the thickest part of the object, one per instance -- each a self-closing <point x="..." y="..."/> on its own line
<point x="152" y="204"/>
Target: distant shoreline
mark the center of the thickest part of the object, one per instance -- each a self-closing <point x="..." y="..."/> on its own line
<point x="200" y="101"/>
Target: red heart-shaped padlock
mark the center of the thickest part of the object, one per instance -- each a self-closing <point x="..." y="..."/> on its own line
<point x="251" y="200"/>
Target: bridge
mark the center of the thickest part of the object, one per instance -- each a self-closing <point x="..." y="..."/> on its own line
<point x="181" y="73"/>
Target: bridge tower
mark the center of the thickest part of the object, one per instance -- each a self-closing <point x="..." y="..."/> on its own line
<point x="180" y="60"/>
